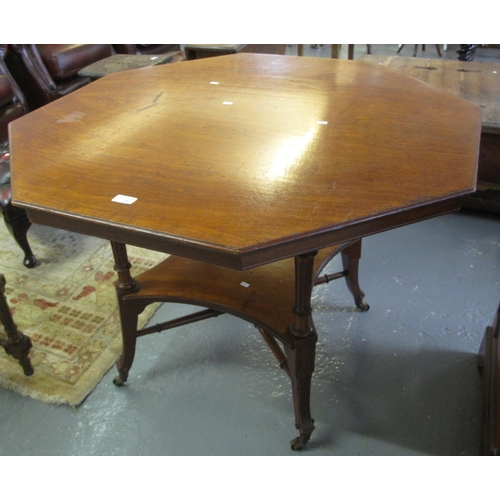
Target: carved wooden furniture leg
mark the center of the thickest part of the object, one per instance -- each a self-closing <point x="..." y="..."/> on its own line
<point x="276" y="298"/>
<point x="16" y="344"/>
<point x="301" y="355"/>
<point x="128" y="315"/>
<point x="15" y="218"/>
<point x="350" y="260"/>
<point x="17" y="223"/>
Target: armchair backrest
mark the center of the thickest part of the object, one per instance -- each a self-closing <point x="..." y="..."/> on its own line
<point x="46" y="72"/>
<point x="12" y="101"/>
<point x="146" y="49"/>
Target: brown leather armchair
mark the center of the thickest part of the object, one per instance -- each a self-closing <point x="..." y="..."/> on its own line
<point x="12" y="101"/>
<point x="46" y="72"/>
<point x="12" y="106"/>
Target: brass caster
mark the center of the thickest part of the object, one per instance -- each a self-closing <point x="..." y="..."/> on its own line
<point x="118" y="381"/>
<point x="362" y="306"/>
<point x="296" y="444"/>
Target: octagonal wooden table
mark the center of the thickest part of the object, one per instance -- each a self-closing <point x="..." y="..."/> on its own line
<point x="244" y="167"/>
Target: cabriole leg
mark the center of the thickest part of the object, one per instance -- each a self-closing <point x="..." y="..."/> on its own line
<point x="350" y="262"/>
<point x="17" y="223"/>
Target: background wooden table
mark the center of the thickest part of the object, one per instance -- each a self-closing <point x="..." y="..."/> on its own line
<point x="210" y="50"/>
<point x="476" y="82"/>
<point x="200" y="51"/>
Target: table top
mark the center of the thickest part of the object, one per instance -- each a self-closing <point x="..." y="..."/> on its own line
<point x="477" y="82"/>
<point x="245" y="159"/>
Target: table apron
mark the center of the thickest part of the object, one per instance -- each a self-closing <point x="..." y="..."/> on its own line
<point x="248" y="257"/>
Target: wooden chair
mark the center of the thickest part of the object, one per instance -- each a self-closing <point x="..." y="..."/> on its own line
<point x="335" y="50"/>
<point x="263" y="296"/>
<point x="415" y="50"/>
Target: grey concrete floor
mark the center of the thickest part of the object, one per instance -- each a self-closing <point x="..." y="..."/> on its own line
<point x="400" y="379"/>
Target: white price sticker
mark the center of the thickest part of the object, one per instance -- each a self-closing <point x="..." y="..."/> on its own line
<point x="127" y="200"/>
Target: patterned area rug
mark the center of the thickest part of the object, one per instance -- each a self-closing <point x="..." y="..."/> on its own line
<point x="67" y="305"/>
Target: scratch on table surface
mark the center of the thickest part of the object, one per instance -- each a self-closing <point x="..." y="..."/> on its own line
<point x="316" y="206"/>
<point x="347" y="216"/>
<point x="155" y="102"/>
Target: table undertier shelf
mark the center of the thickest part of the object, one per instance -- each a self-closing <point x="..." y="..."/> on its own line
<point x="264" y="296"/>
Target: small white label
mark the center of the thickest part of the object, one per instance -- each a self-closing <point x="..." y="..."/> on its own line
<point x="246" y="285"/>
<point x="227" y="103"/>
<point x="214" y="83"/>
<point x="127" y="200"/>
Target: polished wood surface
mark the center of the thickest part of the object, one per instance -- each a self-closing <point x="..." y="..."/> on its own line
<point x="245" y="159"/>
<point x="479" y="83"/>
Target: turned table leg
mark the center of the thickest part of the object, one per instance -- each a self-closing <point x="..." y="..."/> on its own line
<point x="300" y="357"/>
<point x="128" y="315"/>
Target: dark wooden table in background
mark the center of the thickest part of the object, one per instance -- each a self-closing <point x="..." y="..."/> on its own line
<point x="124" y="62"/>
<point x="210" y="50"/>
<point x="221" y="49"/>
